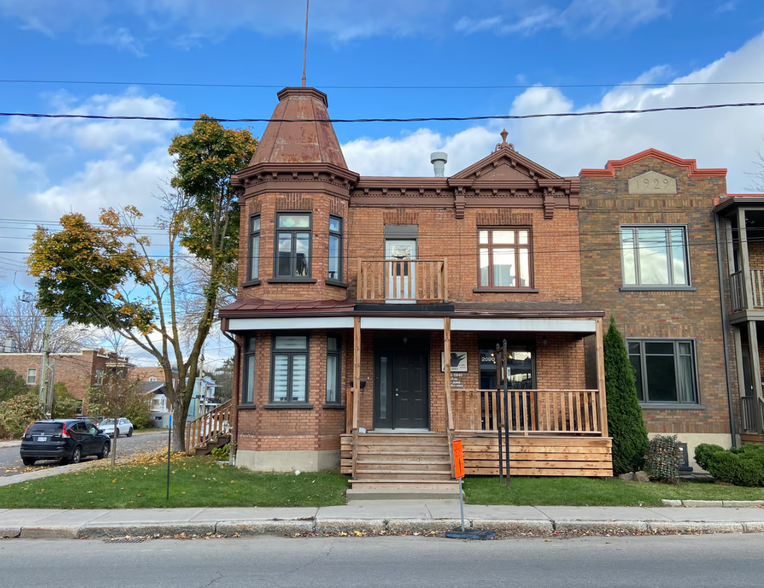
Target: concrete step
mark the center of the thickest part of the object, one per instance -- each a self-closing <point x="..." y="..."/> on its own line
<point x="398" y="475"/>
<point x="363" y="494"/>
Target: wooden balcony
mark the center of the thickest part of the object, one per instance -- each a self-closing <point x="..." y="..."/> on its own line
<point x="403" y="281"/>
<point x="755" y="287"/>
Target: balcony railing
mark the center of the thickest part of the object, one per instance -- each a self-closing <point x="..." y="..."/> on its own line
<point x="403" y="281"/>
<point x="562" y="412"/>
<point x="755" y="284"/>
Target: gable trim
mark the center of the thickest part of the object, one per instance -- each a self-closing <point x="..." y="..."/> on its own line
<point x="693" y="171"/>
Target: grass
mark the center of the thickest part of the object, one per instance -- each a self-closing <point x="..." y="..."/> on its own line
<point x="194" y="482"/>
<point x="596" y="492"/>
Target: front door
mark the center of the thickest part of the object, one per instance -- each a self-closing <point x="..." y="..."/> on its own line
<point x="401" y="391"/>
<point x="401" y="270"/>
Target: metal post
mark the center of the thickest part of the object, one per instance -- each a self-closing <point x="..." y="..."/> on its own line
<point x="505" y="368"/>
<point x="461" y="502"/>
<point x="498" y="412"/>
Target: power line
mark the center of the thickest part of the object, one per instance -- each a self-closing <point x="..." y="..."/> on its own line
<point x="386" y="87"/>
<point x="388" y="120"/>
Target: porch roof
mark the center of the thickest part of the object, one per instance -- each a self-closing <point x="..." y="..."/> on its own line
<point x="245" y="315"/>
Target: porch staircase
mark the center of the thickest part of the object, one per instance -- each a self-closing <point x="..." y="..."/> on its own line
<point x="209" y="431"/>
<point x="400" y="466"/>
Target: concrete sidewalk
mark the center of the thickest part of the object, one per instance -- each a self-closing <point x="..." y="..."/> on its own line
<point x="377" y="518"/>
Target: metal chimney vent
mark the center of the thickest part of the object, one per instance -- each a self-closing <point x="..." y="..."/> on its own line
<point x="438" y="160"/>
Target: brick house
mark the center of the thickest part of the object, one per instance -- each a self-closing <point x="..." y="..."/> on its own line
<point x="78" y="371"/>
<point x="354" y="291"/>
<point x="650" y="258"/>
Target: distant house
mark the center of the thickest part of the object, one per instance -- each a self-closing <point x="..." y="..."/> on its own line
<point x="78" y="371"/>
<point x="159" y="408"/>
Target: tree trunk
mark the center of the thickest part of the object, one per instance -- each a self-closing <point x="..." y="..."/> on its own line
<point x="114" y="444"/>
<point x="179" y="414"/>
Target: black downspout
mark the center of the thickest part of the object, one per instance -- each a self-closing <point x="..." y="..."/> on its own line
<point x="725" y="327"/>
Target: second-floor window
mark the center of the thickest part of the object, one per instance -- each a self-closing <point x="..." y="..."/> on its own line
<point x="254" y="247"/>
<point x="98" y="377"/>
<point x="504" y="257"/>
<point x="335" y="248"/>
<point x="293" y="232"/>
<point x="654" y="256"/>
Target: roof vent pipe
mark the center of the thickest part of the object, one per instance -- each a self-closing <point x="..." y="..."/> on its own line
<point x="438" y="160"/>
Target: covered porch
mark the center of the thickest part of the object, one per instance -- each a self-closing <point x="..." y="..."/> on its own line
<point x="555" y="408"/>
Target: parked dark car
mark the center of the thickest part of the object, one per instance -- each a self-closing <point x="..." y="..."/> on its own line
<point x="68" y="440"/>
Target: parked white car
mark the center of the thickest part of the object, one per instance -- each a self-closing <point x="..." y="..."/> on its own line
<point x="124" y="427"/>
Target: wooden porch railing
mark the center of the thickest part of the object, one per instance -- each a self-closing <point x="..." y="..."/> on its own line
<point x="755" y="284"/>
<point x="530" y="411"/>
<point x="410" y="280"/>
<point x="753" y="419"/>
<point x="208" y="427"/>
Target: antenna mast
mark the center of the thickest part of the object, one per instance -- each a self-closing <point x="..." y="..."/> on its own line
<point x="305" y="50"/>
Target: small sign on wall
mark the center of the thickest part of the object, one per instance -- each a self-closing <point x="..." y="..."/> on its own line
<point x="458" y="361"/>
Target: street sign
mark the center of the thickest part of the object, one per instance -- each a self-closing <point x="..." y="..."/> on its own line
<point x="458" y="459"/>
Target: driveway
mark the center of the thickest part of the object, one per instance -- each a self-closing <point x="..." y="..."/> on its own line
<point x="11" y="465"/>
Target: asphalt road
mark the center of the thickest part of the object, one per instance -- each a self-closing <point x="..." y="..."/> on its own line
<point x="11" y="465"/>
<point x="672" y="561"/>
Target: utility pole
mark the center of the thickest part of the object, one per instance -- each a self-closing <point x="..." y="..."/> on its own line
<point x="43" y="396"/>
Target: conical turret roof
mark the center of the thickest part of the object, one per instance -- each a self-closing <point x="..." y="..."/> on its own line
<point x="300" y="142"/>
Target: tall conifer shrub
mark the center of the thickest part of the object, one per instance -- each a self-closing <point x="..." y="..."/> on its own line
<point x="624" y="415"/>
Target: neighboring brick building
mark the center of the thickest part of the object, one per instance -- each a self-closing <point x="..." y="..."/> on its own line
<point x="78" y="371"/>
<point x="649" y="258"/>
<point x="352" y="287"/>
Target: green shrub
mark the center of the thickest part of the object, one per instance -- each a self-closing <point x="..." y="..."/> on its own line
<point x="18" y="413"/>
<point x="65" y="406"/>
<point x="703" y="452"/>
<point x="222" y="453"/>
<point x="624" y="415"/>
<point x="663" y="459"/>
<point x="11" y="384"/>
<point x="741" y="466"/>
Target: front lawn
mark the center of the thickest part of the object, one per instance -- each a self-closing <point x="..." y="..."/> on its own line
<point x="596" y="492"/>
<point x="194" y="482"/>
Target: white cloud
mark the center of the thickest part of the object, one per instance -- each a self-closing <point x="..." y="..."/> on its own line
<point x="579" y="17"/>
<point x="716" y="138"/>
<point x="112" y="135"/>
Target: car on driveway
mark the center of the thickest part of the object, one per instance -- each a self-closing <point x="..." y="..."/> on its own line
<point x="124" y="427"/>
<point x="68" y="440"/>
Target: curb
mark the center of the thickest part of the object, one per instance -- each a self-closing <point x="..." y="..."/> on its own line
<point x="301" y="527"/>
<point x="714" y="503"/>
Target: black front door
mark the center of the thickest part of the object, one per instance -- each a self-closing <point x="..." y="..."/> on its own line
<point x="401" y="391"/>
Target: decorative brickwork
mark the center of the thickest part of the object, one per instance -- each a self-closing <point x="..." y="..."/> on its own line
<point x="401" y="217"/>
<point x="294" y="202"/>
<point x="504" y="217"/>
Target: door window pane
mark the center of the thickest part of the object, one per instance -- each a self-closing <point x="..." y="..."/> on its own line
<point x="291" y="342"/>
<point x="383" y="388"/>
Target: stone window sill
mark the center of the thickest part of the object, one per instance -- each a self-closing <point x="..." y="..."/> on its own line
<point x="246" y="407"/>
<point x="658" y="289"/>
<point x="334" y="405"/>
<point x="505" y="290"/>
<point x="291" y="281"/>
<point x="288" y="405"/>
<point x="331" y="282"/>
<point x="254" y="282"/>
<point x="670" y="406"/>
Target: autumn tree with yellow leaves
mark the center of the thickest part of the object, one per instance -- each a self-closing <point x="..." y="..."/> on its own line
<point x="105" y="275"/>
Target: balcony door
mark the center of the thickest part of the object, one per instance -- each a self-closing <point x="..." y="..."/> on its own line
<point x="401" y="273"/>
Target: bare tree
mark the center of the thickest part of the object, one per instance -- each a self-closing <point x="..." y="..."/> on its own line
<point x="115" y="396"/>
<point x="24" y="325"/>
<point x="757" y="175"/>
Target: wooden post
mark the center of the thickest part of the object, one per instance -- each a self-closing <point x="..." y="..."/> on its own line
<point x="601" y="378"/>
<point x="445" y="280"/>
<point x="745" y="264"/>
<point x="753" y="353"/>
<point x="356" y="385"/>
<point x="447" y="376"/>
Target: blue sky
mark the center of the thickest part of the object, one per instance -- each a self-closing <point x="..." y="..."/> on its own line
<point x="50" y="167"/>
